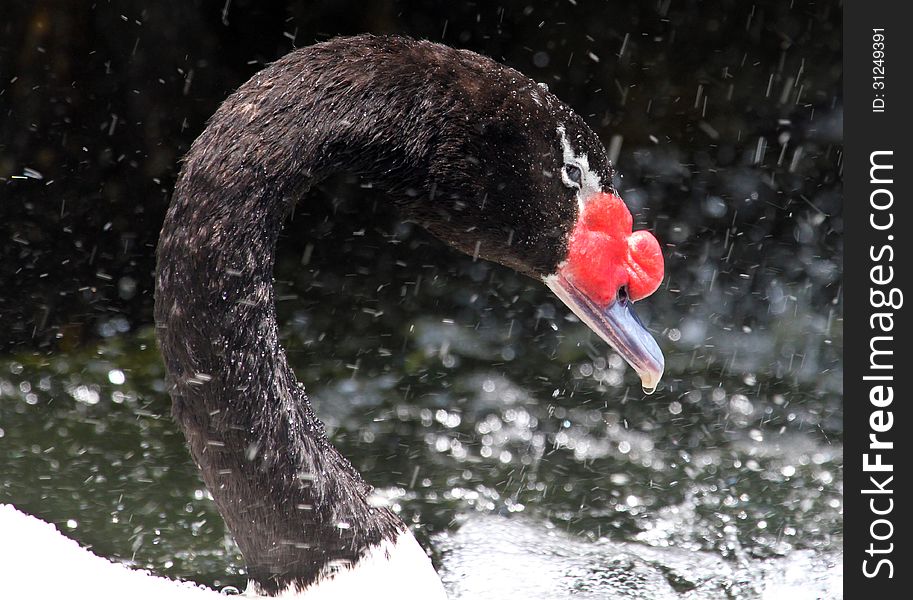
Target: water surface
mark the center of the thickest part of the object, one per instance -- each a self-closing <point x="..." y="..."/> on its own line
<point x="494" y="423"/>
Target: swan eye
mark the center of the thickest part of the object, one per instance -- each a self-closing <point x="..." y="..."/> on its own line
<point x="573" y="175"/>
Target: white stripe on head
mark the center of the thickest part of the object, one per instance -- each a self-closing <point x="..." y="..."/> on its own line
<point x="590" y="182"/>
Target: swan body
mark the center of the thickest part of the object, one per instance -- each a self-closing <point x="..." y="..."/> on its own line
<point x="43" y="564"/>
<point x="64" y="570"/>
<point x="481" y="156"/>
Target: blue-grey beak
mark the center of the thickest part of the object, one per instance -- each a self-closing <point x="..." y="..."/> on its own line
<point x="617" y="324"/>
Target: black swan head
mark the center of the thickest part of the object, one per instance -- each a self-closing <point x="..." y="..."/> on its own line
<point x="480" y="155"/>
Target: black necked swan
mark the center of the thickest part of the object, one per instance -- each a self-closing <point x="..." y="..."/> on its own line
<point x="480" y="155"/>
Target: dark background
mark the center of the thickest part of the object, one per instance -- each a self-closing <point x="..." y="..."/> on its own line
<point x="730" y="115"/>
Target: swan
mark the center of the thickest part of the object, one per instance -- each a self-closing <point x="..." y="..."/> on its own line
<point x="481" y="156"/>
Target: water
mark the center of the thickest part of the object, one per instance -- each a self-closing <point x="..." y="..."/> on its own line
<point x="497" y="425"/>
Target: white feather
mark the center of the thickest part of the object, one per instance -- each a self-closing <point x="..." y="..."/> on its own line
<point x="590" y="182"/>
<point x="37" y="562"/>
<point x="397" y="570"/>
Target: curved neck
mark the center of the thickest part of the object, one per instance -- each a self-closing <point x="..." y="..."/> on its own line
<point x="294" y="505"/>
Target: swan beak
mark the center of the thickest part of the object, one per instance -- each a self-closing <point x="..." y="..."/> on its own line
<point x="619" y="326"/>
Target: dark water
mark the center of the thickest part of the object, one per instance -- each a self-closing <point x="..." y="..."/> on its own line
<point x="461" y="389"/>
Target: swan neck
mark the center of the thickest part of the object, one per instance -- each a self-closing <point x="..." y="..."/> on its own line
<point x="291" y="501"/>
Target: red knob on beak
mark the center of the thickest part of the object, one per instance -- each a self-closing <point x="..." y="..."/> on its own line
<point x="609" y="267"/>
